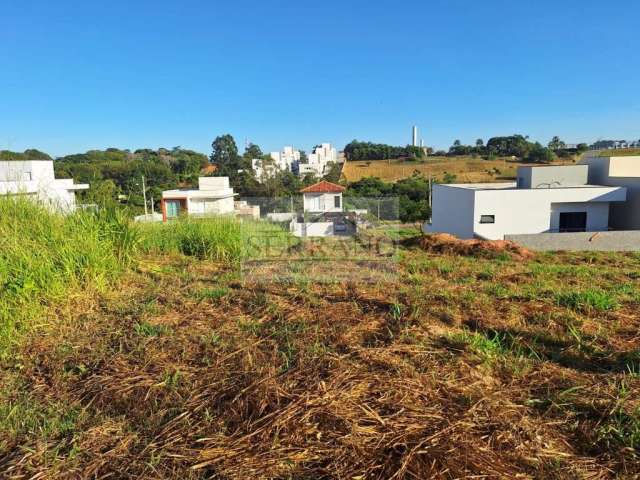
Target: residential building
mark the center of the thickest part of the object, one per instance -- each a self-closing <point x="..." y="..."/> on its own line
<point x="318" y="160"/>
<point x="36" y="179"/>
<point x="544" y="199"/>
<point x="263" y="169"/>
<point x="323" y="212"/>
<point x="322" y="197"/>
<point x="214" y="196"/>
<point x="607" y="168"/>
<point x="285" y="158"/>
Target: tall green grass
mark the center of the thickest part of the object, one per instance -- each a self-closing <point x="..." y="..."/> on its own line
<point x="215" y="238"/>
<point x="45" y="255"/>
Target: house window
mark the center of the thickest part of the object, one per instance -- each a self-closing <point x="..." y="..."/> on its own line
<point x="487" y="219"/>
<point x="336" y="201"/>
<point x="573" y="222"/>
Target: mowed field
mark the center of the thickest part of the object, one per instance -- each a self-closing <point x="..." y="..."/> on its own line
<point x="466" y="169"/>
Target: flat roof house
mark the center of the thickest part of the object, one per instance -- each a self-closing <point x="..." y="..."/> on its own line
<point x="544" y="199"/>
<point x="36" y="179"/>
<point x="611" y="168"/>
<point x="214" y="196"/>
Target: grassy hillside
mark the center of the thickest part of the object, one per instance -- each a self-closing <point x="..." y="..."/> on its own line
<point x="456" y="366"/>
<point x="465" y="169"/>
<point x="622" y="152"/>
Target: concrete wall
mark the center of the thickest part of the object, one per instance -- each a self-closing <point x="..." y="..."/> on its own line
<point x="620" y="241"/>
<point x="213" y="183"/>
<point x="552" y="176"/>
<point x="210" y="206"/>
<point x="312" y="229"/>
<point x="452" y="211"/>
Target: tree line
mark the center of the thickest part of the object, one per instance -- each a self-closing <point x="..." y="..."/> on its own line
<point x="518" y="146"/>
<point x="356" y="150"/>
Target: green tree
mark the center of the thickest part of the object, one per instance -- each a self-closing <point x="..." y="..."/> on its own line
<point x="540" y="154"/>
<point x="556" y="144"/>
<point x="479" y="143"/>
<point x="225" y="155"/>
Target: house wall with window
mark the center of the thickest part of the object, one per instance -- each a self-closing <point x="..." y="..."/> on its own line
<point x="322" y="202"/>
<point x="492" y="211"/>
<point x="523" y="211"/>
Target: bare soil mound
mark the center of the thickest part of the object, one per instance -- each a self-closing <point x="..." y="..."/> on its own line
<point x="445" y="243"/>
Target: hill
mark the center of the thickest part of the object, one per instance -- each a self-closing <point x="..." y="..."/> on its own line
<point x="465" y="169"/>
<point x="459" y="364"/>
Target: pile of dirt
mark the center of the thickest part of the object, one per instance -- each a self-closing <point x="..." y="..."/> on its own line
<point x="445" y="243"/>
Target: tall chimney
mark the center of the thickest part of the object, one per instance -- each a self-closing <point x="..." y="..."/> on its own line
<point x="415" y="136"/>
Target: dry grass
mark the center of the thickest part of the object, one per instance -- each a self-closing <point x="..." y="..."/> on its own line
<point x="466" y="169"/>
<point x="462" y="367"/>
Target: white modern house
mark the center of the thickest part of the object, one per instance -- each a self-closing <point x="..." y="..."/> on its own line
<point x="36" y="179"/>
<point x="607" y="168"/>
<point x="323" y="213"/>
<point x="543" y="200"/>
<point x="214" y="196"/>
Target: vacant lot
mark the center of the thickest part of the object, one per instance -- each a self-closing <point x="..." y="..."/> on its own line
<point x="465" y="169"/>
<point x="485" y="366"/>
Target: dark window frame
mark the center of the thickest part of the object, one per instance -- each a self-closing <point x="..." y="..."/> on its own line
<point x="337" y="201"/>
<point x="485" y="219"/>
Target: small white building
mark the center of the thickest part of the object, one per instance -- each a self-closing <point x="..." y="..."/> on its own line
<point x="214" y="196"/>
<point x="36" y="179"/>
<point x="544" y="199"/>
<point x="323" y="213"/>
<point x="322" y="197"/>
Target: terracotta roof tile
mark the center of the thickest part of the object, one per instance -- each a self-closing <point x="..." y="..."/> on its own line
<point x="323" y="187"/>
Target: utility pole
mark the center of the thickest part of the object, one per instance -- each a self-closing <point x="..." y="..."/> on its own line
<point x="144" y="196"/>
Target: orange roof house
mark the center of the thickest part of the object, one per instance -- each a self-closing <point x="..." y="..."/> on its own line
<point x="323" y="187"/>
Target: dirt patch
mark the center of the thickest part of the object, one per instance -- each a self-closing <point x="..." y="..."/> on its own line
<point x="445" y="243"/>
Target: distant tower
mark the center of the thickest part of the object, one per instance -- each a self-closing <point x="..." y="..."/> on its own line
<point x="415" y="136"/>
<point x="421" y="143"/>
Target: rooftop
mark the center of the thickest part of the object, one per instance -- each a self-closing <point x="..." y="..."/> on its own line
<point x="323" y="187"/>
<point x="513" y="186"/>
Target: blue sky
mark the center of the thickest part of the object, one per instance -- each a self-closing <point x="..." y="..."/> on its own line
<point x="77" y="75"/>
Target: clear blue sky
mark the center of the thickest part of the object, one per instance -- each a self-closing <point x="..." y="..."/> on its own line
<point x="76" y="75"/>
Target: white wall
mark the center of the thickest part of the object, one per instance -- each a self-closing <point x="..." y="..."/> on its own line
<point x="312" y="229"/>
<point x="35" y="178"/>
<point x="452" y="211"/>
<point x="623" y="172"/>
<point x="210" y="206"/>
<point x="530" y="210"/>
<point x="213" y="183"/>
<point x="326" y="202"/>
